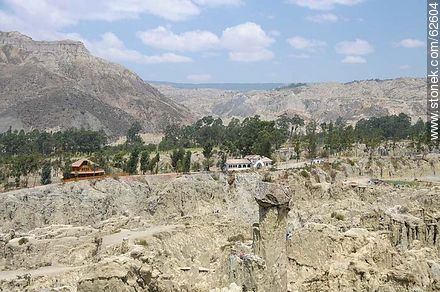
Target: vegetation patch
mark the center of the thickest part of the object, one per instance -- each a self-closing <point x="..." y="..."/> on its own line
<point x="142" y="242"/>
<point x="338" y="216"/>
<point x="23" y="240"/>
<point x="304" y="173"/>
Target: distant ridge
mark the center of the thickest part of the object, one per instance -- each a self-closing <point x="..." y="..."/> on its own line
<point x="322" y="102"/>
<point x="222" y="86"/>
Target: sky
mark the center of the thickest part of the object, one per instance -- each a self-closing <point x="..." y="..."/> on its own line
<point x="237" y="41"/>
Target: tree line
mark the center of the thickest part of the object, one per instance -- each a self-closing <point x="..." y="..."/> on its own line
<point x="48" y="143"/>
<point x="24" y="153"/>
<point x="253" y="135"/>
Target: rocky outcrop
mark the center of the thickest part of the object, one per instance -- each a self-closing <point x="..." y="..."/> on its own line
<point x="262" y="266"/>
<point x="273" y="201"/>
<point x="408" y="231"/>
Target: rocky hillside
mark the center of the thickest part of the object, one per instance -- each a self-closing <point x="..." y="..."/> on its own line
<point x="59" y="85"/>
<point x="323" y="101"/>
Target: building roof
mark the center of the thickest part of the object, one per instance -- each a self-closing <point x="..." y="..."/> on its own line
<point x="258" y="157"/>
<point x="98" y="171"/>
<point x="237" y="161"/>
<point x="248" y="159"/>
<point x="253" y="157"/>
<point x="81" y="162"/>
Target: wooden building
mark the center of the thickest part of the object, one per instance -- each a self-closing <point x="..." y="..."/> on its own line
<point x="86" y="168"/>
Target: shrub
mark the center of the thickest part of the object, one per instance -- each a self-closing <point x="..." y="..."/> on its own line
<point x="142" y="242"/>
<point x="338" y="216"/>
<point x="23" y="240"/>
<point x="304" y="173"/>
<point x="196" y="166"/>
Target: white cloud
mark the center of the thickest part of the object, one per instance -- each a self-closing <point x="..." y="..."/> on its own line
<point x="174" y="10"/>
<point x="247" y="42"/>
<point x="301" y="43"/>
<point x="39" y="16"/>
<point x="323" y="18"/>
<point x="324" y="4"/>
<point x="410" y="43"/>
<point x="45" y="19"/>
<point x="199" y="77"/>
<point x="112" y="48"/>
<point x="354" y="60"/>
<point x="354" y="48"/>
<point x="248" y="36"/>
<point x="165" y="39"/>
<point x="219" y="2"/>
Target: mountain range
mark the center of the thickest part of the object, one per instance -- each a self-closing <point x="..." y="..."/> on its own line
<point x="59" y="85"/>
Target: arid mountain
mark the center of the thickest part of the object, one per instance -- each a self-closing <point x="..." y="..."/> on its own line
<point x="59" y="85"/>
<point x="322" y="102"/>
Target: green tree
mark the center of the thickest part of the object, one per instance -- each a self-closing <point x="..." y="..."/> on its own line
<point x="154" y="164"/>
<point x="207" y="153"/>
<point x="119" y="160"/>
<point x="144" y="161"/>
<point x="176" y="159"/>
<point x="263" y="145"/>
<point x="311" y="139"/>
<point x="373" y="139"/>
<point x="46" y="173"/>
<point x="133" y="137"/>
<point x="187" y="162"/>
<point x="132" y="163"/>
<point x="102" y="161"/>
<point x="67" y="169"/>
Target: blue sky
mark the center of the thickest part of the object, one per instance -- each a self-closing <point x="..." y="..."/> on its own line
<point x="237" y="40"/>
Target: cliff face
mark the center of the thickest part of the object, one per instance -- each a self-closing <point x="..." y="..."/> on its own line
<point x="58" y="85"/>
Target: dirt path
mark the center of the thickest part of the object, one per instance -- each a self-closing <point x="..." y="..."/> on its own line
<point x="43" y="271"/>
<point x="133" y="235"/>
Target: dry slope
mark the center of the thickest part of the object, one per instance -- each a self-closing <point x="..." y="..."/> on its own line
<point x="58" y="85"/>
